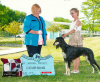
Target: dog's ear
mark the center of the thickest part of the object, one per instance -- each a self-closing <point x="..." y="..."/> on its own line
<point x="62" y="39"/>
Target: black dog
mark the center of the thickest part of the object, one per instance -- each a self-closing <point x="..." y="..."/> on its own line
<point x="70" y="53"/>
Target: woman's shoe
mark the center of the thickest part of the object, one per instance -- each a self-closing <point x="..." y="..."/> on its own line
<point x="75" y="71"/>
<point x="72" y="71"/>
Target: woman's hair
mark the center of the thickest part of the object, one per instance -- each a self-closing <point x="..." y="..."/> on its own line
<point x="35" y="7"/>
<point x="76" y="10"/>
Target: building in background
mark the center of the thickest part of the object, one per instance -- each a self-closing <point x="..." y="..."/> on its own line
<point x="58" y="34"/>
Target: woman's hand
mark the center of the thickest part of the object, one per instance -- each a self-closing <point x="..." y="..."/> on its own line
<point x="46" y="37"/>
<point x="36" y="32"/>
<point x="63" y="35"/>
<point x="82" y="37"/>
<point x="39" y="32"/>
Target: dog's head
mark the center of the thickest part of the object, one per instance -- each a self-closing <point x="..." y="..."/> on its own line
<point x="58" y="42"/>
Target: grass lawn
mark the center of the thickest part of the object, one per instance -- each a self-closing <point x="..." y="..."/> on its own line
<point x="9" y="39"/>
<point x="85" y="74"/>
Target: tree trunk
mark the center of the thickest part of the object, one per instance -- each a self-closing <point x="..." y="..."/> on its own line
<point x="15" y="37"/>
<point x="53" y="35"/>
<point x="93" y="28"/>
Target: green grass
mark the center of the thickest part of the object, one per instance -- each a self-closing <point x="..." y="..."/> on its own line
<point x="10" y="39"/>
<point x="11" y="42"/>
<point x="85" y="74"/>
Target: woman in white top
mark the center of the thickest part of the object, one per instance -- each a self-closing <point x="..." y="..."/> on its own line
<point x="75" y="38"/>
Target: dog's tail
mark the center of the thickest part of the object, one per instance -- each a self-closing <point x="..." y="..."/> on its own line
<point x="97" y="65"/>
<point x="92" y="60"/>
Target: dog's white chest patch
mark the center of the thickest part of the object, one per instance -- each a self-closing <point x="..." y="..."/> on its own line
<point x="64" y="55"/>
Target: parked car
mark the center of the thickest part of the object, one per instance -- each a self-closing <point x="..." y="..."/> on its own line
<point x="18" y="36"/>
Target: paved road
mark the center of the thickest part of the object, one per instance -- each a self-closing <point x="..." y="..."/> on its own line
<point x="12" y="50"/>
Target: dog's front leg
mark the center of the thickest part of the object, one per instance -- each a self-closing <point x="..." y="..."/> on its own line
<point x="66" y="64"/>
<point x="69" y="68"/>
<point x="68" y="71"/>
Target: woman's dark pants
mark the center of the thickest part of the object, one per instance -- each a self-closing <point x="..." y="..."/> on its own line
<point x="33" y="49"/>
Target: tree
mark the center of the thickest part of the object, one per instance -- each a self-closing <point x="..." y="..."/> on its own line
<point x="60" y="19"/>
<point x="54" y="28"/>
<point x="14" y="28"/>
<point x="8" y="15"/>
<point x="91" y="10"/>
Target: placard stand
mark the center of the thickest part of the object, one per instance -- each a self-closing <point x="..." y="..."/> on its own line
<point x="37" y="65"/>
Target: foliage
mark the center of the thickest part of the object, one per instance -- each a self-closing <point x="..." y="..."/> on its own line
<point x="11" y="42"/>
<point x="64" y="26"/>
<point x="60" y="19"/>
<point x="14" y="28"/>
<point x="8" y="15"/>
<point x="91" y="10"/>
<point x="54" y="28"/>
<point x="5" y="34"/>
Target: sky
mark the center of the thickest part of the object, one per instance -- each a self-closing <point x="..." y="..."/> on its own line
<point x="50" y="8"/>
